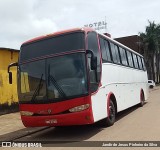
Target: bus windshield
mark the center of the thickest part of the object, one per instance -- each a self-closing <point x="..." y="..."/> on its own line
<point x="53" y="79"/>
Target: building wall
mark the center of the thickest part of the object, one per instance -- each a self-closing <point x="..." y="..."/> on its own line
<point x="8" y="92"/>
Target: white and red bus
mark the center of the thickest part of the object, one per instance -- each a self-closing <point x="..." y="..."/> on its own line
<point x="77" y="77"/>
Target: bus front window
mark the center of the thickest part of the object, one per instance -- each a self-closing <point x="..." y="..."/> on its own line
<point x="53" y="79"/>
<point x="67" y="76"/>
<point x="32" y="81"/>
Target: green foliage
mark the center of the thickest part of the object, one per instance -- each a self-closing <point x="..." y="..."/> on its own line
<point x="151" y="37"/>
<point x="151" y="46"/>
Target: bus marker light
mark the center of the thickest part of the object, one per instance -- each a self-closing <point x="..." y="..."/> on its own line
<point x="79" y="108"/>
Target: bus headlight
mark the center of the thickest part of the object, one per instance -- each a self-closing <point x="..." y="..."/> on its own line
<point x="79" y="108"/>
<point x="26" y="113"/>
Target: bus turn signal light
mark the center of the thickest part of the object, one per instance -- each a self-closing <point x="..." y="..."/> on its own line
<point x="79" y="108"/>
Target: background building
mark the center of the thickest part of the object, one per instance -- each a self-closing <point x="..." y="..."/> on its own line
<point x="8" y="92"/>
<point x="134" y="42"/>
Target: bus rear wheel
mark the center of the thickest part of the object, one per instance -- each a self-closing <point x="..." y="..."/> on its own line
<point x="142" y="99"/>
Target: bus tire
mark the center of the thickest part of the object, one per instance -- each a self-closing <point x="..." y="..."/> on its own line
<point x="110" y="120"/>
<point x="142" y="99"/>
<point x="151" y="86"/>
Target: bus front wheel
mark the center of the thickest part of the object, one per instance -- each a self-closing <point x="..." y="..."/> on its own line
<point x="112" y="114"/>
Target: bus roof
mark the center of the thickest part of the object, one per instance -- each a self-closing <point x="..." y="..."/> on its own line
<point x="85" y="29"/>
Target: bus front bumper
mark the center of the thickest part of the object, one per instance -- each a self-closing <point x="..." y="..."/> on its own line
<point x="68" y="119"/>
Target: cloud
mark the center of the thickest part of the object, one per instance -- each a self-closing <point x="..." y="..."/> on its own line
<point x="24" y="19"/>
<point x="19" y="23"/>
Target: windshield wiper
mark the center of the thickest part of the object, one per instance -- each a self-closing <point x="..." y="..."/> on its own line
<point x="54" y="82"/>
<point x="36" y="92"/>
<point x="61" y="92"/>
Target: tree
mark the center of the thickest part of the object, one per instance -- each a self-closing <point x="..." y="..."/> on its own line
<point x="151" y="46"/>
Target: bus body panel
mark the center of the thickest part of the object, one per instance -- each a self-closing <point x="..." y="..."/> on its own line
<point x="99" y="105"/>
<point x="126" y="85"/>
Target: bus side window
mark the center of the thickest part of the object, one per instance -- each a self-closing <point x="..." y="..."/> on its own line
<point x="130" y="60"/>
<point x="123" y="56"/>
<point x="115" y="53"/>
<point x="103" y="51"/>
<point x="107" y="50"/>
<point x="93" y="45"/>
<point x="139" y="62"/>
<point x="135" y="61"/>
<point x="94" y="76"/>
<point x="106" y="56"/>
<point x="143" y="64"/>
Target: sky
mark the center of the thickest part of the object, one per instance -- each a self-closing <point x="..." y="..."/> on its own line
<point x="21" y="20"/>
